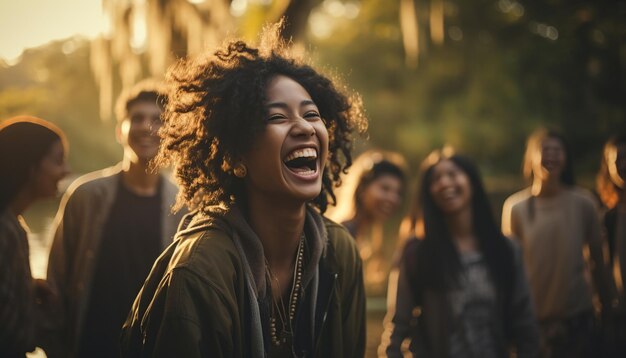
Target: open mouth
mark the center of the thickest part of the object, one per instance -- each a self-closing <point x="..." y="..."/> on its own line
<point x="449" y="194"/>
<point x="302" y="161"/>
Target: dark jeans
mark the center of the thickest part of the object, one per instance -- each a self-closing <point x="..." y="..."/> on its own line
<point x="567" y="338"/>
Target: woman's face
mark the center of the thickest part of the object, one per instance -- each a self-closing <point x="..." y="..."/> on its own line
<point x="381" y="198"/>
<point x="549" y="161"/>
<point x="287" y="159"/>
<point x="450" y="187"/>
<point x="52" y="168"/>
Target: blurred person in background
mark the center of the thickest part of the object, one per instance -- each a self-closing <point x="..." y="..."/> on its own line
<point x="111" y="226"/>
<point x="555" y="222"/>
<point x="371" y="193"/>
<point x="258" y="139"/>
<point x="461" y="290"/>
<point x="611" y="189"/>
<point x="33" y="155"/>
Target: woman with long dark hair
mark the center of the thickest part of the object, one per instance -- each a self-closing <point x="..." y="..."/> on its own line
<point x="258" y="139"/>
<point x="32" y="162"/>
<point x="461" y="290"/>
<point x="554" y="221"/>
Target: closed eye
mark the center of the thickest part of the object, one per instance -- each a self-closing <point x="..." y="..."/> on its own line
<point x="275" y="117"/>
<point x="311" y="114"/>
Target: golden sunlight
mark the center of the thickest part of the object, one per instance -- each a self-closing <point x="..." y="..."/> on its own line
<point x="31" y="23"/>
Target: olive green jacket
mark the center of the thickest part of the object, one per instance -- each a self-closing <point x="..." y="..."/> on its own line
<point x="205" y="294"/>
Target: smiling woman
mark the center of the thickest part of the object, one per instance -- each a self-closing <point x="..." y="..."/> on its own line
<point x="463" y="276"/>
<point x="258" y="139"/>
<point x="32" y="162"/>
<point x="286" y="159"/>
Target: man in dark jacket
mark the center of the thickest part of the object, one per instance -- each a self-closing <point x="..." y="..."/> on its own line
<point x="111" y="226"/>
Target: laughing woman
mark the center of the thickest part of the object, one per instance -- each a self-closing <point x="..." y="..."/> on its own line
<point x="258" y="139"/>
<point x="461" y="291"/>
<point x="33" y="155"/>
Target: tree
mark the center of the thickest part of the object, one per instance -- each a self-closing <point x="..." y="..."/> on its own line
<point x="147" y="36"/>
<point x="54" y="82"/>
<point x="502" y="69"/>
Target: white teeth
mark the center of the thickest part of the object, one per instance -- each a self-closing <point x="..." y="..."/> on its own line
<point x="305" y="172"/>
<point x="302" y="153"/>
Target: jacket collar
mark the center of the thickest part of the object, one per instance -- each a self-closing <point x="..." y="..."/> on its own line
<point x="232" y="221"/>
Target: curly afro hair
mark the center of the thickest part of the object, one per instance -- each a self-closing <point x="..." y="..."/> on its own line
<point x="216" y="107"/>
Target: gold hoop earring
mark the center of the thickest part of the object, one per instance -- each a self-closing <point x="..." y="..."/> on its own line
<point x="240" y="171"/>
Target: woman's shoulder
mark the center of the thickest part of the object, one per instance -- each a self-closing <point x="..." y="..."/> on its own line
<point x="332" y="225"/>
<point x="193" y="275"/>
<point x="409" y="251"/>
<point x="11" y="228"/>
<point x="338" y="235"/>
<point x="411" y="248"/>
<point x="9" y="234"/>
<point x="342" y="246"/>
<point x="350" y="225"/>
<point x="208" y="253"/>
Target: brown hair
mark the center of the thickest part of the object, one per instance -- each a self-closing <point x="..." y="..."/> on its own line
<point x="24" y="141"/>
<point x="148" y="90"/>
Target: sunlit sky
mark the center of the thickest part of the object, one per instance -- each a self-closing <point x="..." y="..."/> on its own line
<point x="31" y="23"/>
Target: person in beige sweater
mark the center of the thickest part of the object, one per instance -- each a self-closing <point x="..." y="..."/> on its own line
<point x="555" y="223"/>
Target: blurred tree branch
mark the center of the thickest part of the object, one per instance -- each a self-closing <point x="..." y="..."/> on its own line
<point x="146" y="36"/>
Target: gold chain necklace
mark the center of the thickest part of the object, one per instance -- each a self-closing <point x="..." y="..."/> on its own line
<point x="286" y="318"/>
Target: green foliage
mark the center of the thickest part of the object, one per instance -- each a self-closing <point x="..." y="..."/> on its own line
<point x="54" y="82"/>
<point x="484" y="93"/>
<point x="502" y="74"/>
